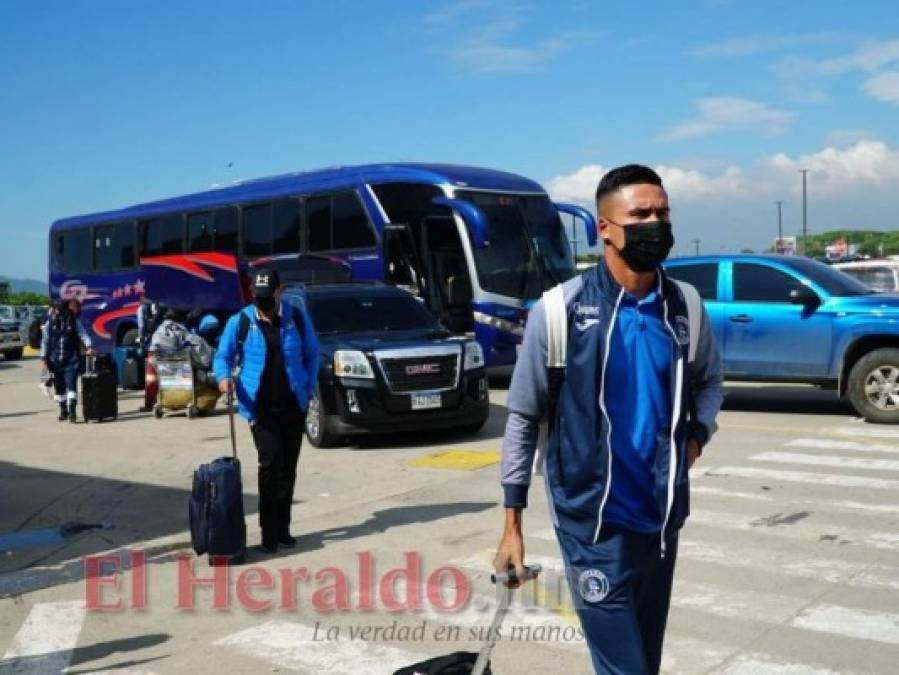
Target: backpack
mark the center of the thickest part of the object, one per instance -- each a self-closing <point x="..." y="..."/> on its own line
<point x="557" y="347"/>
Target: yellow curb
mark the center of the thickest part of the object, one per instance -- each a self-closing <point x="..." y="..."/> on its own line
<point x="31" y="352"/>
<point x="456" y="460"/>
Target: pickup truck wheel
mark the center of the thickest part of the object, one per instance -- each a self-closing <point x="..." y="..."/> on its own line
<point x="874" y="386"/>
<point x="316" y="426"/>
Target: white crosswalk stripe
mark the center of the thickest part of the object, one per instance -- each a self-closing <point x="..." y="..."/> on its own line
<point x="827" y="444"/>
<point x="296" y="646"/>
<point x="830" y="504"/>
<point x="760" y="664"/>
<point x="45" y="640"/>
<point x="854" y="623"/>
<point x="828" y="461"/>
<point x="808" y="477"/>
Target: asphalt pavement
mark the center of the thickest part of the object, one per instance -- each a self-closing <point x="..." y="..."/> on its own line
<point x="789" y="563"/>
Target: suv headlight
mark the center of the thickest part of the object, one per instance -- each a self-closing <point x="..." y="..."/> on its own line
<point x="350" y="363"/>
<point x="474" y="356"/>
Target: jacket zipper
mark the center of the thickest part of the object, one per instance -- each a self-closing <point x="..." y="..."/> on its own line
<point x="602" y="406"/>
<point x="675" y="415"/>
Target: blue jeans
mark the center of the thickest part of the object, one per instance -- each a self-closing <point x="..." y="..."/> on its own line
<point x="621" y="589"/>
<point x="65" y="380"/>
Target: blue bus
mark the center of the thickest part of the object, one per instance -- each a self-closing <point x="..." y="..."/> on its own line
<point x="477" y="245"/>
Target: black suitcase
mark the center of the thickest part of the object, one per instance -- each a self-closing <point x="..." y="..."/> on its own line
<point x="474" y="663"/>
<point x="132" y="373"/>
<point x="99" y="397"/>
<point x="215" y="511"/>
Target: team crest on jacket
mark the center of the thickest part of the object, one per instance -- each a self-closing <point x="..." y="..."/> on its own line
<point x="682" y="330"/>
<point x="593" y="585"/>
<point x="585" y="316"/>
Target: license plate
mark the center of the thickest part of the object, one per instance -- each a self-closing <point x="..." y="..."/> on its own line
<point x="426" y="401"/>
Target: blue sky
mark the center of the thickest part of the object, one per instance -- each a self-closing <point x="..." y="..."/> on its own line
<point x="105" y="104"/>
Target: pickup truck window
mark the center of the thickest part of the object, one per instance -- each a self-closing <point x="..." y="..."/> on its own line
<point x="704" y="277"/>
<point x="760" y="283"/>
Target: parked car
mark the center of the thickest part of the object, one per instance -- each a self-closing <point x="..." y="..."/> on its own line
<point x="387" y="365"/>
<point x="11" y="343"/>
<point x="880" y="274"/>
<point x="792" y="319"/>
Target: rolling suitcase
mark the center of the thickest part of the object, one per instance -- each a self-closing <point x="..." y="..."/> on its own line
<point x="132" y="372"/>
<point x="217" y="526"/>
<point x="99" y="397"/>
<point x="474" y="663"/>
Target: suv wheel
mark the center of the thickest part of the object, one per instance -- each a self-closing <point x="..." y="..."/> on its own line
<point x="316" y="425"/>
<point x="874" y="386"/>
<point x="13" y="354"/>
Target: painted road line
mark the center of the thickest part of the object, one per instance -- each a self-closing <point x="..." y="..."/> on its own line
<point x="852" y="623"/>
<point x="790" y="526"/>
<point x="827" y="444"/>
<point x="829" y="570"/>
<point x="865" y="430"/>
<point x="458" y="460"/>
<point x="811" y="478"/>
<point x="828" y="461"/>
<point x="685" y="655"/>
<point x="46" y="639"/>
<point x="763" y="664"/>
<point x="298" y="647"/>
<point x="823" y="503"/>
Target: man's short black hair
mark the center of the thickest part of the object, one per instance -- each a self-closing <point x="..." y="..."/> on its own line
<point x="629" y="174"/>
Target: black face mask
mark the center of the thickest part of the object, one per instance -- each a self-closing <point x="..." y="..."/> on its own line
<point x="646" y="245"/>
<point x="265" y="304"/>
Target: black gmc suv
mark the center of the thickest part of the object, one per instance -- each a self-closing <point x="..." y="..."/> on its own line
<point x="387" y="365"/>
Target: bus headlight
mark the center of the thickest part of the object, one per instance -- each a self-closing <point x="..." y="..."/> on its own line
<point x="474" y="356"/>
<point x="351" y="363"/>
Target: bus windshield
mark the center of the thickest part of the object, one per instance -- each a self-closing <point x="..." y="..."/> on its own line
<point x="528" y="251"/>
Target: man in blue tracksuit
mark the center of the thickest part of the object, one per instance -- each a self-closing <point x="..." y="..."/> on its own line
<point x="63" y="337"/>
<point x="277" y="350"/>
<point x="631" y="415"/>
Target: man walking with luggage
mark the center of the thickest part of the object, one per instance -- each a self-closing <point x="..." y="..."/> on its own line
<point x="61" y="345"/>
<point x="277" y="350"/>
<point x="630" y="411"/>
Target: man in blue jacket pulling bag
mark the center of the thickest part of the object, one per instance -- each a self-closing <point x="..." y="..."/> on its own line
<point x="276" y="348"/>
<point x="631" y="395"/>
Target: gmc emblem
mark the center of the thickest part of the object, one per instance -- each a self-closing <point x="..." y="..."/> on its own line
<point x="423" y="369"/>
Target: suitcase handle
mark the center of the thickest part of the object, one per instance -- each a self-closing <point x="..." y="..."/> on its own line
<point x="231" y="423"/>
<point x="530" y="572"/>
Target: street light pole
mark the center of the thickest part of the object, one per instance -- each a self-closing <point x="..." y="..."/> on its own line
<point x="804" y="173"/>
<point x="696" y="243"/>
<point x="780" y="227"/>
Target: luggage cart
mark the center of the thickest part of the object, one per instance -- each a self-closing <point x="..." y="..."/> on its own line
<point x="177" y="382"/>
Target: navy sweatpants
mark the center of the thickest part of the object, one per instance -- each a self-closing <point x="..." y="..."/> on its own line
<point x="621" y="589"/>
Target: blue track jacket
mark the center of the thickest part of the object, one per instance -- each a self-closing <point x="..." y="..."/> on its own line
<point x="578" y="466"/>
<point x="300" y="347"/>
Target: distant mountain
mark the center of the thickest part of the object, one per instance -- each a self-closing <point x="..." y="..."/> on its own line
<point x="26" y="285"/>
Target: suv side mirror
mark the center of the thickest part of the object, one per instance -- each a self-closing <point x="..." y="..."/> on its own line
<point x="804" y="296"/>
<point x="458" y="291"/>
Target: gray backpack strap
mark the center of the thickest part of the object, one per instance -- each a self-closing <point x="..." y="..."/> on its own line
<point x="556" y="327"/>
<point x="694" y="315"/>
<point x="556" y="356"/>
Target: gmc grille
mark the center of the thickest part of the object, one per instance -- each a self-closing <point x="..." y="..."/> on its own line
<point x="421" y="373"/>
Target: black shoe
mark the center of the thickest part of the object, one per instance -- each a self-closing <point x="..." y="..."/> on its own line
<point x="287" y="541"/>
<point x="63" y="415"/>
<point x="73" y="416"/>
<point x="269" y="546"/>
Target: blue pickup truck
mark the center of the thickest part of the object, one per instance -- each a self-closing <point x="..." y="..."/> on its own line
<point x="792" y="319"/>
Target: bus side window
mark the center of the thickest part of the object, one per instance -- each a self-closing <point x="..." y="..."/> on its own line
<point x="114" y="246"/>
<point x="199" y="232"/>
<point x="257" y="230"/>
<point x="226" y="230"/>
<point x="318" y="223"/>
<point x="73" y="250"/>
<point x="351" y="228"/>
<point x="162" y="236"/>
<point x="286" y="226"/>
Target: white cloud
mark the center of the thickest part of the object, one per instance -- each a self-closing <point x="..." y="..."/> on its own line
<point x="865" y="165"/>
<point x="762" y="44"/>
<point x="883" y="86"/>
<point x="723" y="114"/>
<point x="843" y="137"/>
<point x="483" y="36"/>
